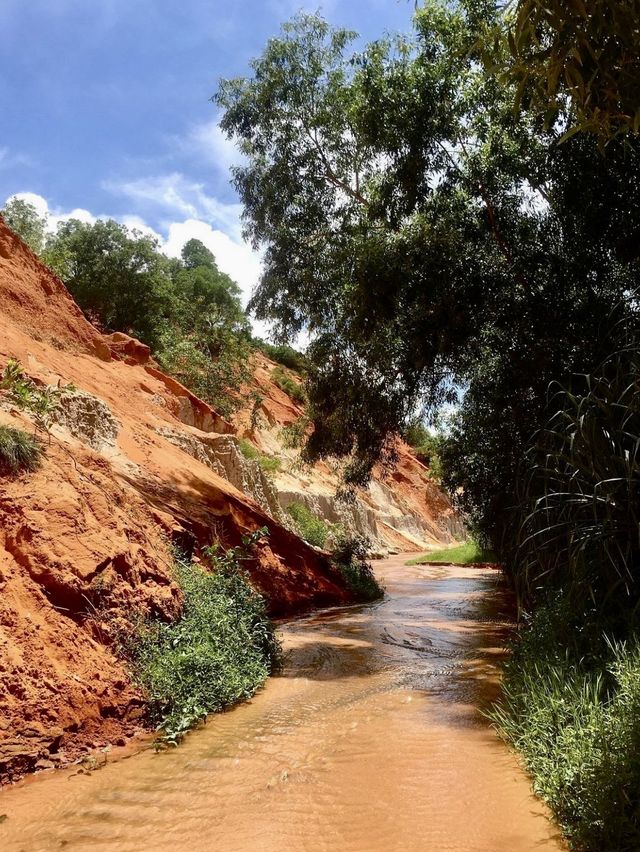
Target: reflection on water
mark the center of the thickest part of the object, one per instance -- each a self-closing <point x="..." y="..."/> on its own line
<point x="371" y="740"/>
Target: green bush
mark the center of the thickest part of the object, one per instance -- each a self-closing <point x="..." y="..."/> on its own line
<point x="286" y="384"/>
<point x="270" y="464"/>
<point x="311" y="528"/>
<point x="219" y="652"/>
<point x="283" y="354"/>
<point x="571" y="706"/>
<point x="350" y="556"/>
<point x="19" y="451"/>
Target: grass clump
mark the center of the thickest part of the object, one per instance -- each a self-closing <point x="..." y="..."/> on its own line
<point x="463" y="554"/>
<point x="311" y="528"/>
<point x="571" y="707"/>
<point x="350" y="556"/>
<point x="220" y="651"/>
<point x="270" y="464"/>
<point x="287" y="384"/>
<point x="283" y="354"/>
<point x="19" y="451"/>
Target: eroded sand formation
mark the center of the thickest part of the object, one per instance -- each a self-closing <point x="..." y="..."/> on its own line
<point x="135" y="464"/>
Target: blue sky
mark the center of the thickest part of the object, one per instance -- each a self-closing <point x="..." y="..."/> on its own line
<point x="105" y="111"/>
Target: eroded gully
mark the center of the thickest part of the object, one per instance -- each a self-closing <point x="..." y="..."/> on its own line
<point x="371" y="740"/>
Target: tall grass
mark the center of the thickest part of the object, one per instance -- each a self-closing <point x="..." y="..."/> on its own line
<point x="19" y="451"/>
<point x="463" y="554"/>
<point x="582" y="490"/>
<point x="571" y="706"/>
<point x="571" y="690"/>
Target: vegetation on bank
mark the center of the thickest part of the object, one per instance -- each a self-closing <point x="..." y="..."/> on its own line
<point x="219" y="652"/>
<point x="351" y="557"/>
<point x="464" y="554"/>
<point x="288" y="385"/>
<point x="571" y="707"/>
<point x="308" y="526"/>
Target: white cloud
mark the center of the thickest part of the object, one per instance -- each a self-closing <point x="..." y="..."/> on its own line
<point x="176" y="195"/>
<point x="53" y="215"/>
<point x="234" y="256"/>
<point x="209" y="142"/>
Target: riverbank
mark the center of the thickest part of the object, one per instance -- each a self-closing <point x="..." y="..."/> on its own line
<point x="372" y="738"/>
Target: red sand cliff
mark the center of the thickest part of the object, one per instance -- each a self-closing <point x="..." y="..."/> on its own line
<point x="94" y="525"/>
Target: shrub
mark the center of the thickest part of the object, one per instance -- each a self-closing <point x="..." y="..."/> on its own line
<point x="39" y="401"/>
<point x="270" y="464"/>
<point x="219" y="652"/>
<point x="287" y="384"/>
<point x="283" y="354"/>
<point x="350" y="556"/>
<point x="426" y="447"/>
<point x="19" y="451"/>
<point x="294" y="434"/>
<point x="571" y="706"/>
<point x="311" y="528"/>
<point x="247" y="449"/>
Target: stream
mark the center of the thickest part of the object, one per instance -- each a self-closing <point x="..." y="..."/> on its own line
<point x="371" y="740"/>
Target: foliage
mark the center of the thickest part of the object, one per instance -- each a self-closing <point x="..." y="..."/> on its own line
<point x="19" y="451"/>
<point x="311" y="528"/>
<point x="283" y="354"/>
<point x="571" y="706"/>
<point x="186" y="310"/>
<point x="426" y="447"/>
<point x="270" y="464"/>
<point x="288" y="385"/>
<point x="22" y="217"/>
<point x="580" y="488"/>
<point x="464" y="554"/>
<point x="216" y="378"/>
<point x="586" y="52"/>
<point x="294" y="434"/>
<point x="37" y="400"/>
<point x="351" y="557"/>
<point x="428" y="239"/>
<point x="219" y="652"/>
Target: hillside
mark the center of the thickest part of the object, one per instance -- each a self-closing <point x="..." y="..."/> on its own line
<point x="135" y="464"/>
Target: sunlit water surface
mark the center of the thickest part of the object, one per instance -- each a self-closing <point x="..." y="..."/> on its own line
<point x="371" y="740"/>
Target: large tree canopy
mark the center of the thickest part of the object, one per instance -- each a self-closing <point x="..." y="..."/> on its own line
<point x="426" y="235"/>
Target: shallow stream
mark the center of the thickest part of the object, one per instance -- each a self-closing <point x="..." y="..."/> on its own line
<point x="371" y="740"/>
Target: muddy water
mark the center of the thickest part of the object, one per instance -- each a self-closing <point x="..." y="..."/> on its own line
<point x="370" y="741"/>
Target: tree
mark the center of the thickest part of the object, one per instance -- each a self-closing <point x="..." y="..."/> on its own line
<point x="427" y="237"/>
<point x="23" y="218"/>
<point x="118" y="277"/>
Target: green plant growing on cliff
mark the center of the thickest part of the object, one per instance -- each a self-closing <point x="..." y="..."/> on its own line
<point x="294" y="434"/>
<point x="351" y="558"/>
<point x="288" y="386"/>
<point x="310" y="527"/>
<point x="270" y="464"/>
<point x="39" y="401"/>
<point x="219" y="652"/>
<point x="19" y="451"/>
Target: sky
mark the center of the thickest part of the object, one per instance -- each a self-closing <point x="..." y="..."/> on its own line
<point x="105" y="108"/>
